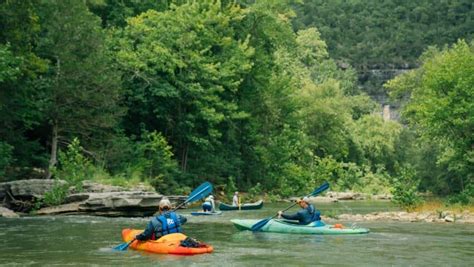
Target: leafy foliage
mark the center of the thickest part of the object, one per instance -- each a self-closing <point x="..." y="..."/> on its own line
<point x="172" y="93"/>
<point x="465" y="197"/>
<point x="182" y="69"/>
<point x="365" y="33"/>
<point x="5" y="156"/>
<point x="74" y="166"/>
<point x="405" y="189"/>
<point x="441" y="108"/>
<point x="55" y="196"/>
<point x="81" y="87"/>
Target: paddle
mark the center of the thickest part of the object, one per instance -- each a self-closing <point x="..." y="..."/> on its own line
<point x="198" y="193"/>
<point x="240" y="204"/>
<point x="262" y="223"/>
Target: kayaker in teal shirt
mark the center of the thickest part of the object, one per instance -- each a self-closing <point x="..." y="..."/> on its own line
<point x="306" y="215"/>
<point x="167" y="222"/>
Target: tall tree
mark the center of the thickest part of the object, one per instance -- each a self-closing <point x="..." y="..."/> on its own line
<point x="20" y="108"/>
<point x="441" y="107"/>
<point x="82" y="88"/>
<point x="182" y="68"/>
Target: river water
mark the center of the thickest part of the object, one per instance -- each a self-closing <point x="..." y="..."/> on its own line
<point x="87" y="240"/>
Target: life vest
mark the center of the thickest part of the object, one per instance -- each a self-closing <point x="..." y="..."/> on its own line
<point x="315" y="214"/>
<point x="169" y="224"/>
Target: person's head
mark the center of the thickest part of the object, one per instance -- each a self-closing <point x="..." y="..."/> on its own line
<point x="304" y="202"/>
<point x="211" y="197"/>
<point x="236" y="193"/>
<point x="164" y="205"/>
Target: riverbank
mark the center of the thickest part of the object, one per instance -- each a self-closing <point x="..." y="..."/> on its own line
<point x="28" y="197"/>
<point x="24" y="198"/>
<point x="403" y="216"/>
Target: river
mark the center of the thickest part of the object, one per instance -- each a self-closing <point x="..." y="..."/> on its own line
<point x="87" y="240"/>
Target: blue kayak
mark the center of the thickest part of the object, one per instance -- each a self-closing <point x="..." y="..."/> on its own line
<point x="205" y="213"/>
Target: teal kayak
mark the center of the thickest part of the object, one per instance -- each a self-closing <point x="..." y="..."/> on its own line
<point x="283" y="226"/>
<point x="199" y="213"/>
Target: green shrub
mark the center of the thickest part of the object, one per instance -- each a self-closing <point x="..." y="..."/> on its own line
<point x="295" y="181"/>
<point x="230" y="187"/>
<point x="255" y="191"/>
<point x="466" y="197"/>
<point x="157" y="157"/>
<point x="405" y="189"/>
<point x="56" y="195"/>
<point x="73" y="166"/>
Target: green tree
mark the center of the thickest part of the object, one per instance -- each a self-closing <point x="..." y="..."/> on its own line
<point x="115" y="13"/>
<point x="376" y="140"/>
<point x="20" y="104"/>
<point x="182" y="69"/>
<point x="81" y="88"/>
<point x="441" y="107"/>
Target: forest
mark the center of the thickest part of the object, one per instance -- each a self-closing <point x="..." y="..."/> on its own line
<point x="259" y="96"/>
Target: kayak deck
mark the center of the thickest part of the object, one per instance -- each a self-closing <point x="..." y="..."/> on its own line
<point x="281" y="226"/>
<point x="168" y="244"/>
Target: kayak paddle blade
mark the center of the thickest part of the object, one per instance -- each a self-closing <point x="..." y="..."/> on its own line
<point x="259" y="225"/>
<point x="123" y="246"/>
<point x="199" y="193"/>
<point x="320" y="189"/>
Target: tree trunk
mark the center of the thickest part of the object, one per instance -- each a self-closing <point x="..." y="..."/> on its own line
<point x="184" y="158"/>
<point x="54" y="149"/>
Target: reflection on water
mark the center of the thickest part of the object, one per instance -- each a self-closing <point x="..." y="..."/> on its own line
<point x="84" y="240"/>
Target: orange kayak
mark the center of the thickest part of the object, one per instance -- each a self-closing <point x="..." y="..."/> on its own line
<point x="168" y="244"/>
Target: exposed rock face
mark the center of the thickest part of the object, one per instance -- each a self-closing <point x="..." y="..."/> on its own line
<point x="34" y="188"/>
<point x="125" y="203"/>
<point x="20" y="195"/>
<point x="96" y="199"/>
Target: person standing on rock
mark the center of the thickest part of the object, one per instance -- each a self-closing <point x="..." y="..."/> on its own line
<point x="167" y="222"/>
<point x="307" y="214"/>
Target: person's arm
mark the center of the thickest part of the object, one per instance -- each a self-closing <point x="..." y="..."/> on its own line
<point x="213" y="208"/>
<point x="182" y="219"/>
<point x="294" y="216"/>
<point x="147" y="233"/>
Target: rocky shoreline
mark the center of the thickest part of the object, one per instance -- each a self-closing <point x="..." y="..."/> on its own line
<point x="428" y="217"/>
<point x="18" y="198"/>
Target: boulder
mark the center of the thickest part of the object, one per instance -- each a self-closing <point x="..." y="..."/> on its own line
<point x="4" y="212"/>
<point x="345" y="195"/>
<point x="27" y="189"/>
<point x="449" y="219"/>
<point x="319" y="199"/>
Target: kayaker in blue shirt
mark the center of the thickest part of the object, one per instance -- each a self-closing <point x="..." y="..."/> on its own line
<point x="167" y="222"/>
<point x="306" y="215"/>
